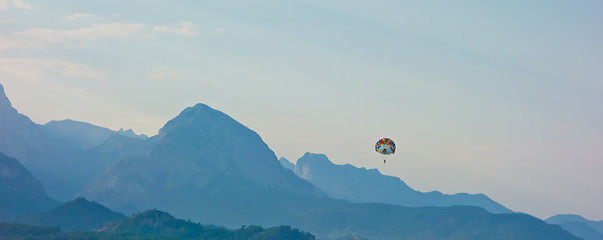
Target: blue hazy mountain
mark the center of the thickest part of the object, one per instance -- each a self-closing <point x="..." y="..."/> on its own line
<point x="207" y="167"/>
<point x="20" y="191"/>
<point x="360" y="185"/>
<point x="579" y="226"/>
<point x="56" y="163"/>
<point x="287" y="164"/>
<point x="83" y="134"/>
<point x="76" y="215"/>
<point x="54" y="152"/>
<point x="130" y="133"/>
<point x="197" y="158"/>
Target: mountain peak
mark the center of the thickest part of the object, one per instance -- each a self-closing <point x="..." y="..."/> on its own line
<point x="198" y="117"/>
<point x="315" y="158"/>
<point x="4" y="101"/>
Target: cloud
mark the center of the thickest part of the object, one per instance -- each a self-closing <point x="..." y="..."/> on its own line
<point x="31" y="68"/>
<point x="21" y="5"/>
<point x="43" y="37"/>
<point x="183" y="28"/>
<point x="159" y="73"/>
<point x="94" y="32"/>
<point x="78" y="15"/>
<point x="5" y="4"/>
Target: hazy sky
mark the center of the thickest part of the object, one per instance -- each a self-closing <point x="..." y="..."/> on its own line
<point x="497" y="97"/>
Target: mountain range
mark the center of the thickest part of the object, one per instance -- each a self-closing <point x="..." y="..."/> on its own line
<point x="48" y="159"/>
<point x="579" y="226"/>
<point x="360" y="185"/>
<point x="205" y="166"/>
<point x="83" y="134"/>
<point x="61" y="153"/>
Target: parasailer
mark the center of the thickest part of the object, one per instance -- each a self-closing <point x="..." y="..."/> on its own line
<point x="385" y="146"/>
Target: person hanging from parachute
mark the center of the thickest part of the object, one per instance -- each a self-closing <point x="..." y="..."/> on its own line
<point x="385" y="147"/>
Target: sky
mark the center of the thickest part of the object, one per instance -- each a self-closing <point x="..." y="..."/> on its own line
<point x="503" y="98"/>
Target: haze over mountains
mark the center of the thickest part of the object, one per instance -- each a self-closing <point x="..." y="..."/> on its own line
<point x="198" y="157"/>
<point x="55" y="153"/>
<point x="364" y="186"/>
<point x="579" y="226"/>
<point x="205" y="166"/>
<point x="82" y="134"/>
<point x="20" y="191"/>
<point x="50" y="160"/>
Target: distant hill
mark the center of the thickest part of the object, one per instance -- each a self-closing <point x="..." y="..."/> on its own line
<point x="59" y="153"/>
<point x="20" y="191"/>
<point x="154" y="222"/>
<point x="77" y="215"/>
<point x="287" y="164"/>
<point x="360" y="185"/>
<point x="579" y="226"/>
<point x="81" y="134"/>
<point x="56" y="163"/>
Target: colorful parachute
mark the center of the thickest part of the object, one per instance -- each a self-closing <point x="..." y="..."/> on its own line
<point x="385" y="146"/>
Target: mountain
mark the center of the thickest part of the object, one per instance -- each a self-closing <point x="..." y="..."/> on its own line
<point x="360" y="185"/>
<point x="154" y="222"/>
<point x="77" y="215"/>
<point x="382" y="221"/>
<point x="56" y="163"/>
<point x="579" y="226"/>
<point x="20" y="191"/>
<point x="81" y="134"/>
<point x="202" y="164"/>
<point x="287" y="164"/>
<point x="130" y="133"/>
<point x="207" y="167"/>
<point x="114" y="148"/>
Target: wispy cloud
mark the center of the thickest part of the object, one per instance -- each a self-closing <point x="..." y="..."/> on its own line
<point x="22" y="5"/>
<point x="43" y="37"/>
<point x="31" y="68"/>
<point x="183" y="28"/>
<point x="94" y="32"/>
<point x="159" y="73"/>
<point x="6" y="4"/>
<point x="78" y="16"/>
